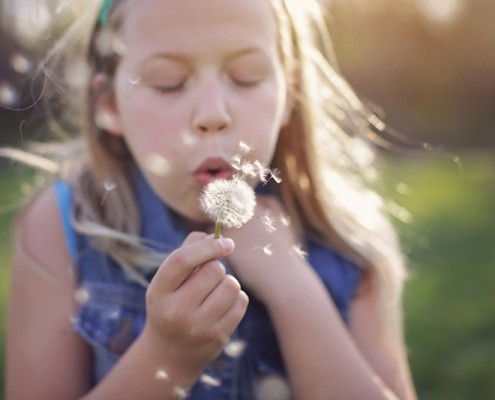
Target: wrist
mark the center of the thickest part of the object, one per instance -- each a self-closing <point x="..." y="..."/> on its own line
<point x="169" y="364"/>
<point x="287" y="286"/>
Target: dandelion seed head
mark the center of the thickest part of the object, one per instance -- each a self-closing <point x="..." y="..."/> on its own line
<point x="235" y="348"/>
<point x="210" y="380"/>
<point x="228" y="202"/>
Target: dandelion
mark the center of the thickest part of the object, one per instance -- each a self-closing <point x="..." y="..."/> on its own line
<point x="228" y="203"/>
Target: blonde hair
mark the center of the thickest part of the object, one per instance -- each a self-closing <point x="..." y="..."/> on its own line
<point x="323" y="152"/>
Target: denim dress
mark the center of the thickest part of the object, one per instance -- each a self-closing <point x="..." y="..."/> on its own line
<point x="112" y="309"/>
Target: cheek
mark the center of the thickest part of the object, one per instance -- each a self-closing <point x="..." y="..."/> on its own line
<point x="149" y="126"/>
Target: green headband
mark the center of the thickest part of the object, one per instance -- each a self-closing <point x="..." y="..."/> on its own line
<point x="106" y="5"/>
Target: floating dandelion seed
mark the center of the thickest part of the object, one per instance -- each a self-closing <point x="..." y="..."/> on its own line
<point x="103" y="119"/>
<point x="275" y="175"/>
<point x="403" y="189"/>
<point x="8" y="94"/>
<point x="228" y="203"/>
<point x="81" y="295"/>
<point x="273" y="387"/>
<point x="161" y="375"/>
<point x="180" y="392"/>
<point x="210" y="380"/>
<point x="188" y="139"/>
<point x="157" y="164"/>
<point x="244" y="147"/>
<point x="134" y="80"/>
<point x="267" y="249"/>
<point x="268" y="222"/>
<point x="297" y="249"/>
<point x="108" y="186"/>
<point x="20" y="63"/>
<point x="235" y="348"/>
<point x="285" y="220"/>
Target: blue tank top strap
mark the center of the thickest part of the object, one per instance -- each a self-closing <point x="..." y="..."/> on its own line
<point x="64" y="198"/>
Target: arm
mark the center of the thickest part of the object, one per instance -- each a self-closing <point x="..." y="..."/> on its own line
<point x="192" y="308"/>
<point x="323" y="359"/>
<point x="41" y="346"/>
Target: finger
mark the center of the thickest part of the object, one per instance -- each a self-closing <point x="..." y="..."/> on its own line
<point x="229" y="321"/>
<point x="203" y="281"/>
<point x="221" y="299"/>
<point x="194" y="237"/>
<point x="181" y="263"/>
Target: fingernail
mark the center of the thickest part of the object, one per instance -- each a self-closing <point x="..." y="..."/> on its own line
<point x="227" y="244"/>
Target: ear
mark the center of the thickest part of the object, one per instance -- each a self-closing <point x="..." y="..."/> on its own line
<point x="106" y="115"/>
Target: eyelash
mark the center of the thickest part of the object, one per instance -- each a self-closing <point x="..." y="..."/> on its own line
<point x="177" y="88"/>
<point x="169" y="89"/>
<point x="245" y="84"/>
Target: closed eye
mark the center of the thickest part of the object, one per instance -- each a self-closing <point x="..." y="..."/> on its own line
<point x="246" y="83"/>
<point x="169" y="89"/>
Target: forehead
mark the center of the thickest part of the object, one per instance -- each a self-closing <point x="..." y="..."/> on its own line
<point x="199" y="25"/>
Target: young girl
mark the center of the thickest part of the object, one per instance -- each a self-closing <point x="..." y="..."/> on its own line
<point x="120" y="290"/>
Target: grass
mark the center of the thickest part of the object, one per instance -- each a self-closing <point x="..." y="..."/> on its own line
<point x="449" y="309"/>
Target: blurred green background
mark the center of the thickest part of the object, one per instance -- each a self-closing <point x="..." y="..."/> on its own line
<point x="429" y="65"/>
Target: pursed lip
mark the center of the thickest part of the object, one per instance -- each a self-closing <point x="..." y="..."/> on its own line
<point x="213" y="168"/>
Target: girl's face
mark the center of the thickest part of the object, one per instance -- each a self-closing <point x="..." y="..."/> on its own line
<point x="198" y="77"/>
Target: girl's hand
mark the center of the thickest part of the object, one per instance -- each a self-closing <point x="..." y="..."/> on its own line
<point x="266" y="258"/>
<point x="192" y="305"/>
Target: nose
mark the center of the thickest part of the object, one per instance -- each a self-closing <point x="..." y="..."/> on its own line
<point x="211" y="112"/>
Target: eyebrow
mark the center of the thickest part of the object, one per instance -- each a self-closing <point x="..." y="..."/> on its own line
<point x="184" y="58"/>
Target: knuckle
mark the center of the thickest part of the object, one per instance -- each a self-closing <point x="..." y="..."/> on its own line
<point x="195" y="236"/>
<point x="179" y="257"/>
<point x="215" y="269"/>
<point x="231" y="284"/>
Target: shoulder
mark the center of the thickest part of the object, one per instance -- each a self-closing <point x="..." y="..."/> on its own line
<point x="39" y="235"/>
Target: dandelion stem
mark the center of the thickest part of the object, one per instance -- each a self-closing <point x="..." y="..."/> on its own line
<point x="218" y="229"/>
